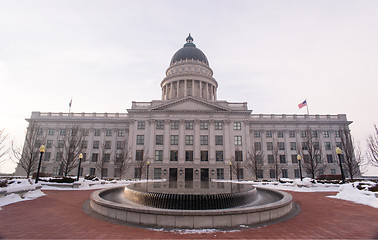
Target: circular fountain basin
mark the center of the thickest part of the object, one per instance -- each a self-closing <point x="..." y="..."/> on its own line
<point x="191" y="205"/>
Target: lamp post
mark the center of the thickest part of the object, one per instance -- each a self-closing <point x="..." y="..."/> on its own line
<point x="230" y="171"/>
<point x="78" y="169"/>
<point x="41" y="150"/>
<point x="339" y="152"/>
<point x="148" y="166"/>
<point x="299" y="158"/>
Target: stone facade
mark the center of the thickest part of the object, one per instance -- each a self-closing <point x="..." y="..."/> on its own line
<point x="189" y="134"/>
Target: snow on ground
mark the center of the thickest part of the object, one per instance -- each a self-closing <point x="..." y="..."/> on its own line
<point x="350" y="193"/>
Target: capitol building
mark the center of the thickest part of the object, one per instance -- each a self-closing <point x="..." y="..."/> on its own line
<point x="189" y="134"/>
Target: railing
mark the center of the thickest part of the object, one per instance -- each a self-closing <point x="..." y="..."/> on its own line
<point x="78" y="115"/>
<point x="297" y="117"/>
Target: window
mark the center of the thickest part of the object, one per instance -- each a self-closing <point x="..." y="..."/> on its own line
<point x="141" y="124"/>
<point x="294" y="158"/>
<point x="74" y="132"/>
<point x="316" y="145"/>
<point x="238" y="140"/>
<point x="137" y="172"/>
<point x="306" y="158"/>
<point x="139" y="155"/>
<point x="218" y="139"/>
<point x="333" y="171"/>
<point x="49" y="143"/>
<point x="189" y="140"/>
<point x="337" y="134"/>
<point x="47" y="156"/>
<point x="218" y="125"/>
<point x="84" y="144"/>
<point x="94" y="157"/>
<point x="293" y="146"/>
<point x="84" y="156"/>
<point x="39" y="131"/>
<point x="85" y="132"/>
<point x="158" y="155"/>
<point x="97" y="132"/>
<point x="38" y="143"/>
<point x="104" y="172"/>
<point x="326" y="134"/>
<point x="92" y="171"/>
<point x="120" y="144"/>
<point x="108" y="144"/>
<point x="281" y="146"/>
<point x="204" y="140"/>
<point x="119" y="157"/>
<point x="219" y="156"/>
<point x="60" y="143"/>
<point x="327" y="145"/>
<point x="204" y="125"/>
<point x="259" y="159"/>
<point x="157" y="173"/>
<point x="284" y="173"/>
<point x="303" y="134"/>
<point x="106" y="157"/>
<point x="270" y="159"/>
<point x="304" y="146"/>
<point x="296" y="173"/>
<point x="291" y="134"/>
<point x="51" y="132"/>
<point x="117" y="172"/>
<point x="174" y="139"/>
<point x="96" y="144"/>
<point x="174" y="155"/>
<point x="220" y="173"/>
<point x="121" y="133"/>
<point x="189" y="125"/>
<point x="257" y="134"/>
<point x="260" y="173"/>
<point x="109" y="133"/>
<point x="268" y="134"/>
<point x="237" y="125"/>
<point x="282" y="159"/>
<point x="140" y="140"/>
<point x="159" y="139"/>
<point x="160" y="125"/>
<point x="314" y="134"/>
<point x="174" y="125"/>
<point x="238" y="155"/>
<point x="269" y="146"/>
<point x="321" y="172"/>
<point x="204" y="156"/>
<point x="240" y="173"/>
<point x="59" y="156"/>
<point x="257" y="146"/>
<point x="189" y="156"/>
<point x="280" y="134"/>
<point x="62" y="132"/>
<point x="338" y="144"/>
<point x="329" y="158"/>
<point x="272" y="173"/>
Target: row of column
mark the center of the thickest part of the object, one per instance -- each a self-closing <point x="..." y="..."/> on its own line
<point x="183" y="88"/>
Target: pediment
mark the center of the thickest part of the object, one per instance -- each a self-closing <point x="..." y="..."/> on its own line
<point x="190" y="104"/>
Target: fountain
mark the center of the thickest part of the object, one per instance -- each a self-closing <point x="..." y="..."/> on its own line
<point x="191" y="204"/>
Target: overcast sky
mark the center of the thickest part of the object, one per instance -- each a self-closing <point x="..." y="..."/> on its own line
<point x="271" y="54"/>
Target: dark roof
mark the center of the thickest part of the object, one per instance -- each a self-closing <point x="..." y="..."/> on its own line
<point x="190" y="52"/>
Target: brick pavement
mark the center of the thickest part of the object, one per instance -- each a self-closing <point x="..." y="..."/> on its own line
<point x="59" y="214"/>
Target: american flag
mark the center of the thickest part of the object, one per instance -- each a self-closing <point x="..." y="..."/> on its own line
<point x="302" y="104"/>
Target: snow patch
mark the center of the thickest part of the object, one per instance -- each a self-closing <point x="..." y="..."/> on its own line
<point x="350" y="193"/>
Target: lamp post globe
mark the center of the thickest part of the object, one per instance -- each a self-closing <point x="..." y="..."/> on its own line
<point x="78" y="168"/>
<point x="41" y="151"/>
<point x="299" y="158"/>
<point x="339" y="152"/>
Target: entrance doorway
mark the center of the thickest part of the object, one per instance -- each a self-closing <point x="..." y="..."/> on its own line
<point x="204" y="174"/>
<point x="173" y="174"/>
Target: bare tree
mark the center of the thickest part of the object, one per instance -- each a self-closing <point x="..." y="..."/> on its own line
<point x="3" y="147"/>
<point x="27" y="157"/>
<point x="254" y="161"/>
<point x="102" y="161"/>
<point x="141" y="162"/>
<point x="312" y="153"/>
<point x="372" y="151"/>
<point x="276" y="164"/>
<point x="352" y="162"/>
<point x="123" y="160"/>
<point x="69" y="146"/>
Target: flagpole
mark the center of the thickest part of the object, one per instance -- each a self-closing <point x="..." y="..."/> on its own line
<point x="308" y="113"/>
<point x="69" y="109"/>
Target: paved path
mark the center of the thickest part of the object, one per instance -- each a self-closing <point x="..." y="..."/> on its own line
<point x="59" y="214"/>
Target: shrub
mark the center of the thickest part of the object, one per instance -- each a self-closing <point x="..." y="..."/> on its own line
<point x="3" y="182"/>
<point x="373" y="188"/>
<point x="62" y="180"/>
<point x="91" y="177"/>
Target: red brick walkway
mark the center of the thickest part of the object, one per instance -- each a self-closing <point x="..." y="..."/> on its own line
<point x="59" y="214"/>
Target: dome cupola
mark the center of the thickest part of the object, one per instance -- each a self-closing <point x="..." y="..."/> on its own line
<point x="189" y="74"/>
